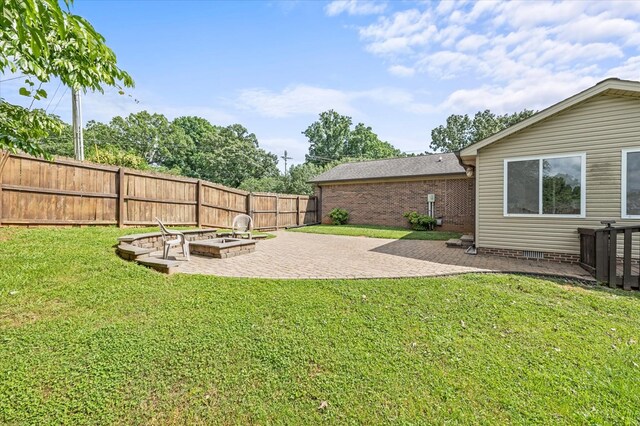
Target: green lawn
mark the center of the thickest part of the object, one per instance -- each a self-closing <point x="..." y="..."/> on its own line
<point x="87" y="338"/>
<point x="375" y="231"/>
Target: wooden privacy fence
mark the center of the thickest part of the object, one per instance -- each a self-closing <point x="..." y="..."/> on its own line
<point x="34" y="191"/>
<point x="608" y="254"/>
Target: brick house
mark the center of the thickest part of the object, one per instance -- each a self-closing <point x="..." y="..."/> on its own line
<point x="378" y="192"/>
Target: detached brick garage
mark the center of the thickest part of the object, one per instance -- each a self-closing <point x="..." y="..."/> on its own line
<point x="378" y="192"/>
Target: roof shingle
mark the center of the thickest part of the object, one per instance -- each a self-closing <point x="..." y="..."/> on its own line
<point x="421" y="165"/>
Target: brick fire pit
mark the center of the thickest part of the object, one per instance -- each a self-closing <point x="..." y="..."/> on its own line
<point x="222" y="248"/>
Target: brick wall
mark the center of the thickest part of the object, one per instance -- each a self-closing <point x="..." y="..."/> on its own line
<point x="383" y="203"/>
<point x="519" y="254"/>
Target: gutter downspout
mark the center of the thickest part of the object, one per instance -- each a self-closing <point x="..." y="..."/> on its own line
<point x="471" y="173"/>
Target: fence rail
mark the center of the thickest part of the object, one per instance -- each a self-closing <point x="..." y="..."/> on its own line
<point x="608" y="254"/>
<point x="34" y="191"/>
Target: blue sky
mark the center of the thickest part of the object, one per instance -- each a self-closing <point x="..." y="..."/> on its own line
<point x="400" y="67"/>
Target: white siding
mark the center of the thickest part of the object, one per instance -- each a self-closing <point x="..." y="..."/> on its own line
<point x="601" y="127"/>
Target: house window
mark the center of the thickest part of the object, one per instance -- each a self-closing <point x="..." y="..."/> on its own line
<point x="552" y="185"/>
<point x="631" y="183"/>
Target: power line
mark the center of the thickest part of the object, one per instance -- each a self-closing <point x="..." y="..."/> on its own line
<point x="53" y="97"/>
<point x="12" y="78"/>
<point x="54" y="108"/>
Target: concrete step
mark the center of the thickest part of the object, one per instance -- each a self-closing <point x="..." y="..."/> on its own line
<point x="467" y="240"/>
<point x="454" y="242"/>
<point x="130" y="252"/>
<point x="166" y="266"/>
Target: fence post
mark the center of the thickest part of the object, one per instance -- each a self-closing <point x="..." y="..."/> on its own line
<point x="199" y="204"/>
<point x="120" y="194"/>
<point x="298" y="210"/>
<point x="613" y="258"/>
<point x="250" y="204"/>
<point x="277" y="211"/>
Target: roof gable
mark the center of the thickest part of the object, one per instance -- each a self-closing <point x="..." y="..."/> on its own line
<point x="611" y="85"/>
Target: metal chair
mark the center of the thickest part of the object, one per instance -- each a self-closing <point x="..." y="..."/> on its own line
<point x="242" y="225"/>
<point x="172" y="239"/>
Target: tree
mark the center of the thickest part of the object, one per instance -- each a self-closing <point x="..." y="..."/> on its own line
<point x="332" y="139"/>
<point x="299" y="175"/>
<point x="227" y="155"/>
<point x="461" y="130"/>
<point x="265" y="184"/>
<point x="327" y="137"/>
<point x="364" y="143"/>
<point x="41" y="40"/>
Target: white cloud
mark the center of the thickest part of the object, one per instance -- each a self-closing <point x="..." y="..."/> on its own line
<point x="594" y="28"/>
<point x="354" y="7"/>
<point x="402" y="71"/>
<point x="472" y="42"/>
<point x="521" y="93"/>
<point x="629" y="70"/>
<point x="295" y="100"/>
<point x="517" y="53"/>
<point x="310" y="100"/>
<point x="399" y="34"/>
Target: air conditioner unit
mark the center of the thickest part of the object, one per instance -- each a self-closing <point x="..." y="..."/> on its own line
<point x="431" y="198"/>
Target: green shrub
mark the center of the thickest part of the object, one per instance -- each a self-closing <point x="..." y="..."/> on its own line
<point x="420" y="222"/>
<point x="339" y="216"/>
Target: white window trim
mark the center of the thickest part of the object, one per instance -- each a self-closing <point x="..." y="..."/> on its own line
<point x="583" y="185"/>
<point x="623" y="189"/>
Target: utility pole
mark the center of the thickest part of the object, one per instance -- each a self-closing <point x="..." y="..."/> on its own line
<point x="76" y="111"/>
<point x="285" y="158"/>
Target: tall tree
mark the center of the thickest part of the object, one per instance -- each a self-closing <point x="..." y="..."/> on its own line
<point x="364" y="143"/>
<point x="461" y="130"/>
<point x="40" y="40"/>
<point x="332" y="139"/>
<point x="328" y="137"/>
<point x="227" y="155"/>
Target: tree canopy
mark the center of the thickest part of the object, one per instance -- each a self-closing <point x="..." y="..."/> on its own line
<point x="40" y="40"/>
<point x="462" y="130"/>
<point x="331" y="138"/>
<point x="190" y="146"/>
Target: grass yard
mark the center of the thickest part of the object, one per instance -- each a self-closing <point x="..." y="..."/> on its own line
<point x="87" y="338"/>
<point x="375" y="231"/>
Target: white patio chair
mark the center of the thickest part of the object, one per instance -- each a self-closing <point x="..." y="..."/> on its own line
<point x="172" y="239"/>
<point x="242" y="225"/>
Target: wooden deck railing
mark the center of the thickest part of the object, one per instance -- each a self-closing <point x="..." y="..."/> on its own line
<point x="608" y="254"/>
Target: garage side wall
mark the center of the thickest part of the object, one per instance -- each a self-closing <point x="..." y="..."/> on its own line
<point x="384" y="202"/>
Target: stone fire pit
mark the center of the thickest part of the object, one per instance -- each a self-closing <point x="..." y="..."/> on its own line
<point x="222" y="248"/>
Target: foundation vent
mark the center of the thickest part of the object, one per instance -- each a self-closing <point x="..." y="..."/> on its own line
<point x="529" y="254"/>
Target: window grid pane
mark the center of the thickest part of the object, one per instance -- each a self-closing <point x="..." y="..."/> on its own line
<point x="561" y="185"/>
<point x="523" y="184"/>
<point x="633" y="184"/>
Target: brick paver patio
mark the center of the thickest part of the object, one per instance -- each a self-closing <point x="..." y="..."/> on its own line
<point x="300" y="255"/>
